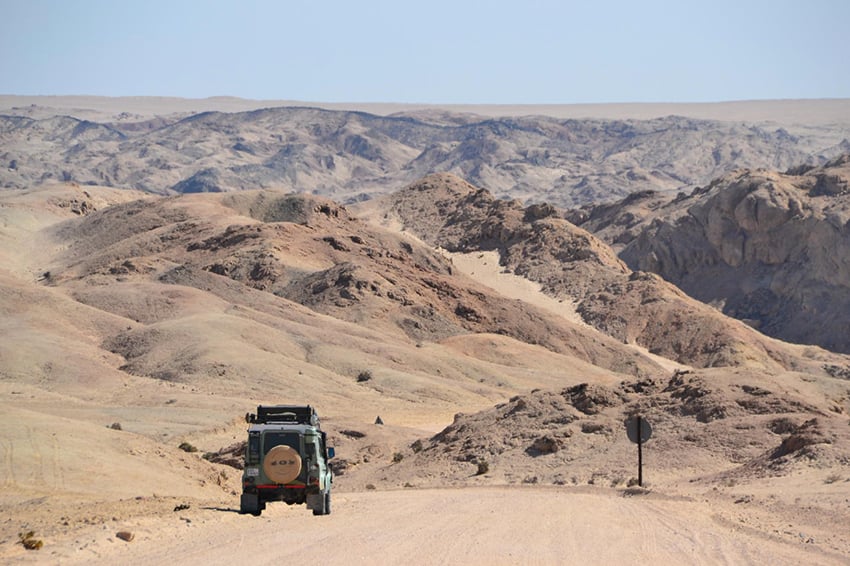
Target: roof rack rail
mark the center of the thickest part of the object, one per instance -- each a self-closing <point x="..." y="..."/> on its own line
<point x="295" y="414"/>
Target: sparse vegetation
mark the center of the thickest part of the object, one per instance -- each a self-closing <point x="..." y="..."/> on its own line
<point x="398" y="457"/>
<point x="364" y="376"/>
<point x="483" y="467"/>
<point x="592" y="428"/>
<point x="186" y="447"/>
<point x="115" y="426"/>
<point x="596" y="478"/>
<point x="417" y="446"/>
<point x="29" y="541"/>
<point x="832" y="478"/>
<point x="544" y="445"/>
<point x="352" y="433"/>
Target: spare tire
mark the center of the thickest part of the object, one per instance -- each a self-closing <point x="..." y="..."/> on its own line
<point x="282" y="464"/>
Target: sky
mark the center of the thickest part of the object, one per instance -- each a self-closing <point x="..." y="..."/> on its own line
<point x="431" y="51"/>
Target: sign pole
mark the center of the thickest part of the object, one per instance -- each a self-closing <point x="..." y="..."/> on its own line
<point x="640" y="451"/>
<point x="639" y="431"/>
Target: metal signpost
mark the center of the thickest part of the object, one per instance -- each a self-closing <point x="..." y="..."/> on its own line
<point x="639" y="430"/>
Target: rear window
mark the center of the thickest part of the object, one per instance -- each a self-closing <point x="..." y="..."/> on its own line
<point x="272" y="439"/>
<point x="253" y="448"/>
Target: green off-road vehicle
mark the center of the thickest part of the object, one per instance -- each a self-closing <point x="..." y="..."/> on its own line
<point x="286" y="460"/>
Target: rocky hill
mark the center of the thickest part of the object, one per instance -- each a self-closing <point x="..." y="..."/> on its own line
<point x="535" y="242"/>
<point x="765" y="247"/>
<point x="307" y="250"/>
<point x="349" y="156"/>
<point x="725" y="425"/>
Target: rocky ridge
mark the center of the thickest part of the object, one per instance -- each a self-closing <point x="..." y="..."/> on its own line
<point x="571" y="264"/>
<point x="310" y="251"/>
<point x="349" y="156"/>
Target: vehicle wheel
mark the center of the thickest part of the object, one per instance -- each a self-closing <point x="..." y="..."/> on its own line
<point x="250" y="503"/>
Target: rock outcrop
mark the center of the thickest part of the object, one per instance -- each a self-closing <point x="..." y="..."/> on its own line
<point x="571" y="264"/>
<point x="772" y="249"/>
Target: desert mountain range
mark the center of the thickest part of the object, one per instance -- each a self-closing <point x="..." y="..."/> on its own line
<point x="158" y="282"/>
<point x="350" y="156"/>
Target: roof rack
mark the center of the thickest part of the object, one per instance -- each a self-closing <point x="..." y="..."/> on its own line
<point x="295" y="414"/>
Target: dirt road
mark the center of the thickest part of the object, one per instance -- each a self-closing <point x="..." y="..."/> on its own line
<point x="500" y="525"/>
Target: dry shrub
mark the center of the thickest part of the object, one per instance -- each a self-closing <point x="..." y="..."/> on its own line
<point x="29" y="541"/>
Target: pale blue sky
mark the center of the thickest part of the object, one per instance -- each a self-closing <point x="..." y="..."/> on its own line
<point x="431" y="51"/>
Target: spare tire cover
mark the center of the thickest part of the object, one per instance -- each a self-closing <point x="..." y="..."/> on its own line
<point x="282" y="464"/>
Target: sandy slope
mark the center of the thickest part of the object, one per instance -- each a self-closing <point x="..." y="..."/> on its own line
<point x="484" y="267"/>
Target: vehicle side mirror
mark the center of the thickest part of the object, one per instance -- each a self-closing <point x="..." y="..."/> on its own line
<point x="331" y="452"/>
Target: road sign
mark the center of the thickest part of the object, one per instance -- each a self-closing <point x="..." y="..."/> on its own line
<point x="638" y="429"/>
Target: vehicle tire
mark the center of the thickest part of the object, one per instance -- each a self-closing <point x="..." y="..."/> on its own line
<point x="282" y="464"/>
<point x="250" y="503"/>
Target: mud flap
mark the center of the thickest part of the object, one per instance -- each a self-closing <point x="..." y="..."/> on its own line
<point x="324" y="503"/>
<point x="316" y="501"/>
